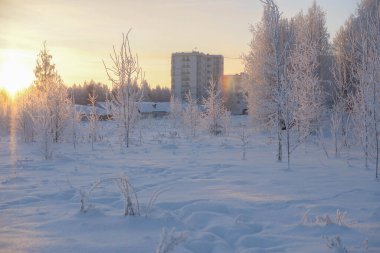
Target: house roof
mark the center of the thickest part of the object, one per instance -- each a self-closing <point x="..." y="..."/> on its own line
<point x="86" y="109"/>
<point x="148" y="107"/>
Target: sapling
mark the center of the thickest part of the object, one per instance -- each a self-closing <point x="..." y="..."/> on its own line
<point x="93" y="118"/>
<point x="244" y="136"/>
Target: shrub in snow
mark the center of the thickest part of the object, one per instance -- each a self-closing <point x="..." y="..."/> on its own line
<point x="153" y="200"/>
<point x="335" y="243"/>
<point x="324" y="220"/>
<point x="131" y="203"/>
<point x="169" y="239"/>
<point x="127" y="191"/>
<point x="340" y="218"/>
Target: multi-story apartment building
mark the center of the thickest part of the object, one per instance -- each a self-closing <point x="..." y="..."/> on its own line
<point x="193" y="71"/>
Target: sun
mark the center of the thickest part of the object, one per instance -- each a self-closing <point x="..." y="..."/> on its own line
<point x="15" y="74"/>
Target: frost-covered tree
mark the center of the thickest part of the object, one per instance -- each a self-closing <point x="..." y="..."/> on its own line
<point x="93" y="119"/>
<point x="42" y="122"/>
<point x="24" y="122"/>
<point x="265" y="66"/>
<point x="49" y="86"/>
<point x="75" y="118"/>
<point x="342" y="86"/>
<point x="191" y="116"/>
<point x="175" y="112"/>
<point x="304" y="77"/>
<point x="125" y="75"/>
<point x="366" y="75"/>
<point x="216" y="117"/>
<point x="45" y="104"/>
<point x="5" y="112"/>
<point x="285" y="94"/>
<point x="315" y="22"/>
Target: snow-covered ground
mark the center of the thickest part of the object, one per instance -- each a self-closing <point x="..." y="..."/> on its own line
<point x="215" y="201"/>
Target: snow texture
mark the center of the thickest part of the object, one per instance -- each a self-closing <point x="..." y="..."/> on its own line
<point x="198" y="196"/>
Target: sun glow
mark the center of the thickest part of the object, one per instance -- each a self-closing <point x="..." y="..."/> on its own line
<point x="15" y="74"/>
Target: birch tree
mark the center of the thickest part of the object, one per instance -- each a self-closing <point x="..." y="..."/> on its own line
<point x="265" y="67"/>
<point x="342" y="86"/>
<point x="366" y="71"/>
<point x="304" y="77"/>
<point x="125" y="74"/>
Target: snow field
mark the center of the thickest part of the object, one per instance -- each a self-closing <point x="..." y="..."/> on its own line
<point x="214" y="199"/>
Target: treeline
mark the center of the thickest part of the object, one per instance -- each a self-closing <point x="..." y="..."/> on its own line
<point x="82" y="92"/>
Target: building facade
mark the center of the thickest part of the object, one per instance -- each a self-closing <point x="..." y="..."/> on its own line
<point x="192" y="72"/>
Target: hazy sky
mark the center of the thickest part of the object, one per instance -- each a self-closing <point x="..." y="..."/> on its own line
<point x="80" y="34"/>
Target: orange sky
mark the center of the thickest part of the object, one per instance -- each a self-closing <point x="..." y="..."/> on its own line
<point x="80" y="34"/>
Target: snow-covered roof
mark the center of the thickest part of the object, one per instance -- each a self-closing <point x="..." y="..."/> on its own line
<point x="148" y="107"/>
<point x="86" y="109"/>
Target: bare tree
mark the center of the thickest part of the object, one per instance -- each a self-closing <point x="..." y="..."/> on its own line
<point x="125" y="75"/>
